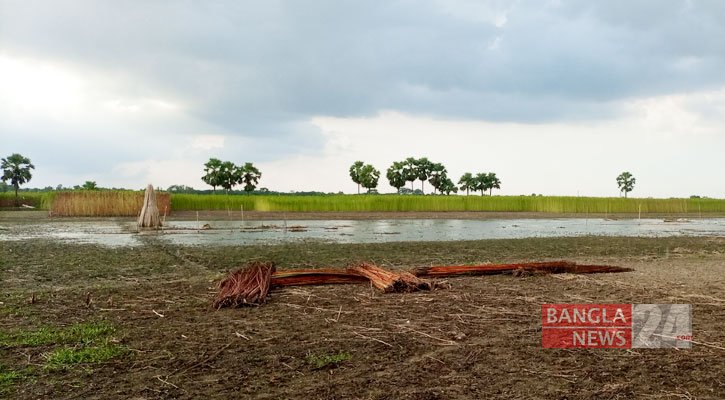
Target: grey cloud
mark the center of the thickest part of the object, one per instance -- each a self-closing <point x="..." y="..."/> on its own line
<point x="259" y="68"/>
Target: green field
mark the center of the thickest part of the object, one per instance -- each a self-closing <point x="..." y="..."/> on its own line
<point x="554" y="204"/>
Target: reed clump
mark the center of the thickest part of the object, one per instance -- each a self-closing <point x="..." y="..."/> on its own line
<point x="105" y="203"/>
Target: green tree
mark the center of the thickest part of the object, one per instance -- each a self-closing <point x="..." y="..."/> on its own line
<point x="626" y="182"/>
<point x="229" y="175"/>
<point x="355" y="171"/>
<point x="181" y="189"/>
<point x="16" y="169"/>
<point x="369" y="177"/>
<point x="212" y="176"/>
<point x="423" y="169"/>
<point x="467" y="182"/>
<point x="437" y="175"/>
<point x="89" y="185"/>
<point x="447" y="186"/>
<point x="395" y="175"/>
<point x="250" y="177"/>
<point x="480" y="182"/>
<point x="492" y="182"/>
<point x="410" y="170"/>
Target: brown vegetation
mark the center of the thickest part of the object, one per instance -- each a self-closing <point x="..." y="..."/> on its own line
<point x="105" y="203"/>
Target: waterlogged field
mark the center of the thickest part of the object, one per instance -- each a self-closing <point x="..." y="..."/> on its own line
<point x="123" y="231"/>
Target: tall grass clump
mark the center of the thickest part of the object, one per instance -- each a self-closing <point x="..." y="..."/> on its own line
<point x="552" y="204"/>
<point x="104" y="203"/>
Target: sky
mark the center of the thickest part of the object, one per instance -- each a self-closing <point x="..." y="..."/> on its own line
<point x="555" y="97"/>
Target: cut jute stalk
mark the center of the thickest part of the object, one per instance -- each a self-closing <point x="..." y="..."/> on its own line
<point x="250" y="284"/>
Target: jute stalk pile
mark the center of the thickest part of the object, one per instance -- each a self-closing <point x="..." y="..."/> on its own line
<point x="250" y="284"/>
<point x="149" y="217"/>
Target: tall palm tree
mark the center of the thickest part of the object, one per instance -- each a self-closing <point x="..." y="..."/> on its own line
<point x="250" y="177"/>
<point x="213" y="175"/>
<point x="16" y="169"/>
<point x="395" y="175"/>
<point x="467" y="182"/>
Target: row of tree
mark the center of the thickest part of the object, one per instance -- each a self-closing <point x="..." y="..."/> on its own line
<point x="412" y="169"/>
<point x="226" y="174"/>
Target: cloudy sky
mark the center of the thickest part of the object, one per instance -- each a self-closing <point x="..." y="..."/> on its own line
<point x="556" y="97"/>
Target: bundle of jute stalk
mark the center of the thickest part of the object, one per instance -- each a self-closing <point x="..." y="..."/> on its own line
<point x="149" y="217"/>
<point x="389" y="281"/>
<point x="251" y="283"/>
<point x="246" y="286"/>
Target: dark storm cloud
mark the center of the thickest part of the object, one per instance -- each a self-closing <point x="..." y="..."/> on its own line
<point x="254" y="68"/>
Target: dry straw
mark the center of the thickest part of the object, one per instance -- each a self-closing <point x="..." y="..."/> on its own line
<point x="104" y="203"/>
<point x="250" y="284"/>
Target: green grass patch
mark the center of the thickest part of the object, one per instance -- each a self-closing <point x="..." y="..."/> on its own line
<point x="67" y="357"/>
<point x="41" y="200"/>
<point x="8" y="378"/>
<point x="84" y="333"/>
<point x="554" y="204"/>
<point x="324" y="360"/>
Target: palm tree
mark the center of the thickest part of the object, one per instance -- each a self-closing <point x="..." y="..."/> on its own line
<point x="90" y="185"/>
<point x="395" y="175"/>
<point x="229" y="175"/>
<point x="467" y="182"/>
<point x="438" y="175"/>
<point x="355" y="170"/>
<point x="423" y="169"/>
<point x="410" y="170"/>
<point x="493" y="183"/>
<point x="447" y="186"/>
<point x="16" y="169"/>
<point x="250" y="176"/>
<point x="213" y="175"/>
<point x="369" y="177"/>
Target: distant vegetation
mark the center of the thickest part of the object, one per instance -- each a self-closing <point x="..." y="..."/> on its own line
<point x="625" y="181"/>
<point x="412" y="169"/>
<point x="16" y="170"/>
<point x="364" y="175"/>
<point x="227" y="175"/>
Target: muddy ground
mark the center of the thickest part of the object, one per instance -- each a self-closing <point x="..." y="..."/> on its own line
<point x="480" y="338"/>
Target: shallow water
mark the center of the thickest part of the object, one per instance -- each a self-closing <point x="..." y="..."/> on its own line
<point x="124" y="233"/>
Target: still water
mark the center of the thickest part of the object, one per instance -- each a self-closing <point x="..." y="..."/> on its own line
<point x="124" y="233"/>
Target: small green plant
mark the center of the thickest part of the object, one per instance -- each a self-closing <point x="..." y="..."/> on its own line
<point x="80" y="333"/>
<point x="324" y="360"/>
<point x="9" y="378"/>
<point x="66" y="357"/>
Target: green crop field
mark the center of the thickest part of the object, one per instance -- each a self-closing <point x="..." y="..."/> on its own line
<point x="444" y="203"/>
<point x="42" y="200"/>
<point x="553" y="204"/>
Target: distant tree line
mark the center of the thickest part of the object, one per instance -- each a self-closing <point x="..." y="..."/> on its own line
<point x="422" y="169"/>
<point x="226" y="174"/>
<point x="16" y="169"/>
